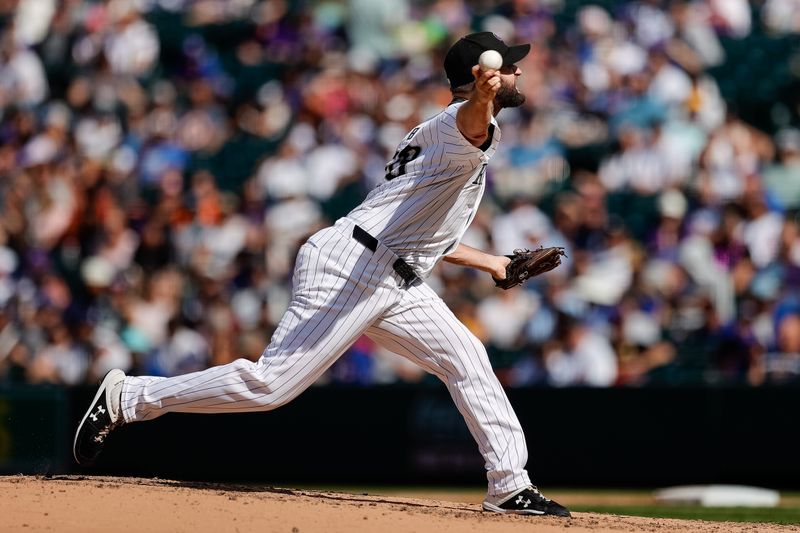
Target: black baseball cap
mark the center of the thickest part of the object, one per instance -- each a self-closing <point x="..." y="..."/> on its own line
<point x="464" y="54"/>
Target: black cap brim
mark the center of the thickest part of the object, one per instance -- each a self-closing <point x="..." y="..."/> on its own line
<point x="515" y="54"/>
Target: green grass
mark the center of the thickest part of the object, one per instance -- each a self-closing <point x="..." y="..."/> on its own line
<point x="776" y="515"/>
<point x="639" y="502"/>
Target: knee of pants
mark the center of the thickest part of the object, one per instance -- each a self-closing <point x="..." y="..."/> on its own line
<point x="277" y="385"/>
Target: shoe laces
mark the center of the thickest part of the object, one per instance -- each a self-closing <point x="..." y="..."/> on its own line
<point x="536" y="491"/>
<point x="103" y="433"/>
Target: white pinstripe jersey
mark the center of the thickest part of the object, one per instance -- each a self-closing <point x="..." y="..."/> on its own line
<point x="433" y="186"/>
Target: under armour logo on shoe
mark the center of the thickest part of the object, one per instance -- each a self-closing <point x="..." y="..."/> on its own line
<point x="100" y="411"/>
<point x="520" y="500"/>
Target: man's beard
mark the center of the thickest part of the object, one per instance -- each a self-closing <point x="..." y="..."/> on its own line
<point x="509" y="97"/>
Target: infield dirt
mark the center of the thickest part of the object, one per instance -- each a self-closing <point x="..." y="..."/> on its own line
<point x="105" y="504"/>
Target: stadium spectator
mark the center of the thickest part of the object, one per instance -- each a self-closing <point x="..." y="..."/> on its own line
<point x="160" y="161"/>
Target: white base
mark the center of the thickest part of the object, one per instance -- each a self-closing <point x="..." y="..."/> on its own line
<point x="719" y="496"/>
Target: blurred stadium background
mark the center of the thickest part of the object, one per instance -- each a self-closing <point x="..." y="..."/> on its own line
<point x="162" y="160"/>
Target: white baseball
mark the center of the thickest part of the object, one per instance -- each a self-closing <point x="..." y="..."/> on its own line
<point x="490" y="59"/>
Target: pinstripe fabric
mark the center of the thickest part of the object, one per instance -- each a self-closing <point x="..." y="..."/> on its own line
<point x="343" y="290"/>
<point x="423" y="213"/>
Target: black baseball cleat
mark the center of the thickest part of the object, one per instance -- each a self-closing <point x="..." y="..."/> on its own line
<point x="527" y="501"/>
<point x="103" y="416"/>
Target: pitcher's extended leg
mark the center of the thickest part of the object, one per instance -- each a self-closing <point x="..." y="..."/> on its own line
<point x="335" y="299"/>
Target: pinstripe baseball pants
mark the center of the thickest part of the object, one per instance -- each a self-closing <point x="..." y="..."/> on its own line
<point x="341" y="291"/>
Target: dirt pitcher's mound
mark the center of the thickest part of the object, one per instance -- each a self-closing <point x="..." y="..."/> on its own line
<point x="103" y="504"/>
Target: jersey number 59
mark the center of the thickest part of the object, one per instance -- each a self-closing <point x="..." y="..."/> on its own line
<point x="397" y="166"/>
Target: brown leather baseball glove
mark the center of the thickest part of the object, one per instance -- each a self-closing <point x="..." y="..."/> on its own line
<point x="528" y="263"/>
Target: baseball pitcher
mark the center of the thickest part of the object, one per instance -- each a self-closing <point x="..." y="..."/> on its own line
<point x="365" y="275"/>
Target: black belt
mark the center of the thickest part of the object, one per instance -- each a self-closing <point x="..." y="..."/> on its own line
<point x="399" y="266"/>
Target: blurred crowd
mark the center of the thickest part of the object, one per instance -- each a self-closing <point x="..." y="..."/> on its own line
<point x="162" y="160"/>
